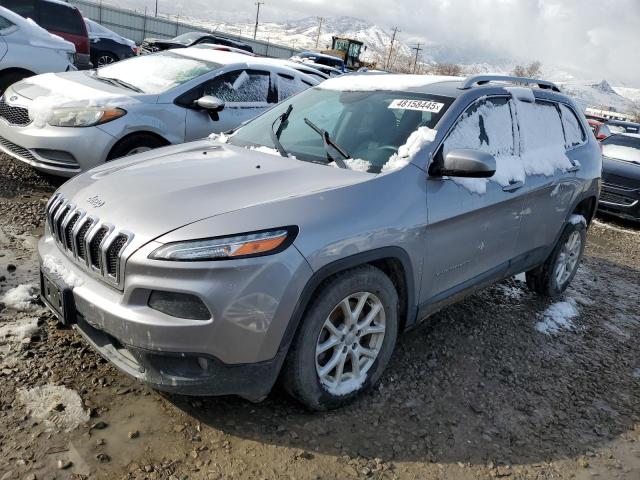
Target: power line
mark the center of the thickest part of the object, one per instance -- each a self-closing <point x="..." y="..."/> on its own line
<point x="320" y="19"/>
<point x="418" y="50"/>
<point x="393" y="39"/>
<point x="255" y="31"/>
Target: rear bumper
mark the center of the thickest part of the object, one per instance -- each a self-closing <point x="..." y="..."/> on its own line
<point x="195" y="375"/>
<point x="620" y="201"/>
<point x="83" y="61"/>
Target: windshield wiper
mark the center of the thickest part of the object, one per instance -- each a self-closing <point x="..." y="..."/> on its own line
<point x="330" y="146"/>
<point x="118" y="82"/>
<point x="275" y="133"/>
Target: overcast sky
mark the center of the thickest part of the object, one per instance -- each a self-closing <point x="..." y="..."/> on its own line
<point x="601" y="37"/>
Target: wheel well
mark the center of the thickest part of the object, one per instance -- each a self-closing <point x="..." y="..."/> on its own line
<point x="134" y="134"/>
<point x="586" y="208"/>
<point x="16" y="70"/>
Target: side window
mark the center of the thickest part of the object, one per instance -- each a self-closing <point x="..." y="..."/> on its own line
<point x="540" y="126"/>
<point x="487" y="126"/>
<point x="573" y="132"/>
<point x="289" y="85"/>
<point x="26" y="8"/>
<point x="4" y="23"/>
<point x="241" y="86"/>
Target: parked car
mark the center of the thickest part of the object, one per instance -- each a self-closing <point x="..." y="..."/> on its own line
<point x="300" y="67"/>
<point x="623" y="127"/>
<point x="621" y="176"/>
<point x="71" y="122"/>
<point x="322" y="58"/>
<point x="151" y="45"/>
<point x="600" y="129"/>
<point x="224" y="48"/>
<point x="59" y="18"/>
<point x="27" y="49"/>
<point x="107" y="46"/>
<point x="302" y="246"/>
<point x="327" y="70"/>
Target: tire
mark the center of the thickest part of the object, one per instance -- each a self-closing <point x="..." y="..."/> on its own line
<point x="546" y="280"/>
<point x="365" y="285"/>
<point x="137" y="143"/>
<point x="8" y="79"/>
<point x="101" y="59"/>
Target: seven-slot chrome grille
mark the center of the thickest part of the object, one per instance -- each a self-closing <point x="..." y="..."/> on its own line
<point x="95" y="245"/>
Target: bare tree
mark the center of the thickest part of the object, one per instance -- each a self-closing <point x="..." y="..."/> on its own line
<point x="450" y="69"/>
<point x="533" y="70"/>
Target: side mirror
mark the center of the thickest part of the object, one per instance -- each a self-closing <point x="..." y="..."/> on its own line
<point x="210" y="103"/>
<point x="468" y="163"/>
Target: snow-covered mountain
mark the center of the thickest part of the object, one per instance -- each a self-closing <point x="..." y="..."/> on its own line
<point x="602" y="95"/>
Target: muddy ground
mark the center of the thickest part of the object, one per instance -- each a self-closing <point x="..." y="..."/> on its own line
<point x="503" y="384"/>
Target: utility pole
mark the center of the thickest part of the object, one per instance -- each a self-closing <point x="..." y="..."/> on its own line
<point x="320" y="19"/>
<point x="255" y="31"/>
<point x="393" y="39"/>
<point x="417" y="49"/>
<point x="156" y="8"/>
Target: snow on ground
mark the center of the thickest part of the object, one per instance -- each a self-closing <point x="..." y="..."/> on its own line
<point x="18" y="330"/>
<point x="58" y="406"/>
<point x="557" y="317"/>
<point x="20" y="297"/>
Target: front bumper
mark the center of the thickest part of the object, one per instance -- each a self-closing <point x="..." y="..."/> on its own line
<point x="621" y="201"/>
<point x="239" y="351"/>
<point x="56" y="150"/>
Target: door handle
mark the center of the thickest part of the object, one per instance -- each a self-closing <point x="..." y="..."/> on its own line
<point x="512" y="187"/>
<point x="575" y="168"/>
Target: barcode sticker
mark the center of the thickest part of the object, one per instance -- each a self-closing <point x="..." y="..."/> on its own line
<point x="420" y="105"/>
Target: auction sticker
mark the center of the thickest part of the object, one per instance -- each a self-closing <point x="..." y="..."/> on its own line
<point x="420" y="105"/>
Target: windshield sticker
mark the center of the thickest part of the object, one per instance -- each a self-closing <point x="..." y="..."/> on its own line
<point x="419" y="105"/>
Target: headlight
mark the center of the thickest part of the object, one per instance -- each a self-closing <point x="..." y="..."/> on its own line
<point x="240" y="246"/>
<point x="84" y="117"/>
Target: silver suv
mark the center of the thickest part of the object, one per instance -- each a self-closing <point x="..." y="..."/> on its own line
<point x="299" y="246"/>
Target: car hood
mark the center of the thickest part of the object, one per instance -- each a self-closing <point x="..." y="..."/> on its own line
<point x="66" y="87"/>
<point x="163" y="43"/>
<point x="156" y="192"/>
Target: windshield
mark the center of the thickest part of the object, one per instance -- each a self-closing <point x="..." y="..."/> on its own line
<point x="187" y="38"/>
<point x="622" y="147"/>
<point x="369" y="126"/>
<point x="157" y="73"/>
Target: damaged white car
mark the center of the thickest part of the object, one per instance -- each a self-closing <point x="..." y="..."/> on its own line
<point x="66" y="123"/>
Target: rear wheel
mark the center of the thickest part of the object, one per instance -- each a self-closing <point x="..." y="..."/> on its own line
<point x="139" y="143"/>
<point x="104" y="58"/>
<point x="556" y="273"/>
<point x="345" y="340"/>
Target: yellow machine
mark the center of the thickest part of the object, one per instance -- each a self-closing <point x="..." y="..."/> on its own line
<point x="348" y="50"/>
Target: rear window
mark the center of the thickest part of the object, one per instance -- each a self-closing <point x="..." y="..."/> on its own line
<point x="61" y="18"/>
<point x="25" y="8"/>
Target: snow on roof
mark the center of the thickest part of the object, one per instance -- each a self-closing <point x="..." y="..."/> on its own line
<point x="364" y="82"/>
<point x="37" y="36"/>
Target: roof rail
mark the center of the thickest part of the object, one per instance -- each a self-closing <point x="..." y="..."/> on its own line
<point x="484" y="79"/>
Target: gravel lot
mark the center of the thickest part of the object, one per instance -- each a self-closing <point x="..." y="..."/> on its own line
<point x="503" y="384"/>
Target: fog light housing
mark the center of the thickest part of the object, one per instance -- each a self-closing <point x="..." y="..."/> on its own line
<point x="179" y="305"/>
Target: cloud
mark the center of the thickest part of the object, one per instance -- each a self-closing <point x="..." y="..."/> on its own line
<point x="594" y="38"/>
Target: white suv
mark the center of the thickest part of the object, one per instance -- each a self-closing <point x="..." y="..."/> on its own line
<point x="27" y="49"/>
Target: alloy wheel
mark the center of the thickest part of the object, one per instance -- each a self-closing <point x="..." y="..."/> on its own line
<point x="349" y="342"/>
<point x="568" y="258"/>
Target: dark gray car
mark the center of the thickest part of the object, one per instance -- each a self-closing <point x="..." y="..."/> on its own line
<point x="302" y="244"/>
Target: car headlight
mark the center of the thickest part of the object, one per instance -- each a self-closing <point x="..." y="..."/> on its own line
<point x="239" y="246"/>
<point x="84" y="117"/>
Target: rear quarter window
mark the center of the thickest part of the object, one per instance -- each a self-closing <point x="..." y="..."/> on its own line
<point x="573" y="132"/>
<point x="61" y="18"/>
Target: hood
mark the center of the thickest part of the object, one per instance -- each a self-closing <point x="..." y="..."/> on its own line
<point x="156" y="192"/>
<point x="163" y="44"/>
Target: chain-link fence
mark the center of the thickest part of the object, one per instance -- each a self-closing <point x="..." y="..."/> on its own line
<point x="137" y="26"/>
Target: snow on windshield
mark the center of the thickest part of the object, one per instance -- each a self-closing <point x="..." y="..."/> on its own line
<point x="373" y="82"/>
<point x="488" y="128"/>
<point x="157" y="73"/>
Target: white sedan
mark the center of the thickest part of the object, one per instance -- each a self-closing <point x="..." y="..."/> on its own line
<point x="66" y="123"/>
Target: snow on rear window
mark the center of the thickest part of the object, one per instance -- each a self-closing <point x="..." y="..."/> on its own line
<point x="573" y="132"/>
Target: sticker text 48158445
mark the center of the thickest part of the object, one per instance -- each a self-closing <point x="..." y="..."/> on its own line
<point x="420" y="105"/>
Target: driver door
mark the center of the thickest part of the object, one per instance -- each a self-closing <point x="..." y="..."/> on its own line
<point x="246" y="93"/>
<point x="473" y="223"/>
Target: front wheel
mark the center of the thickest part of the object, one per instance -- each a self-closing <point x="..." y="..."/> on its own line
<point x="556" y="273"/>
<point x="137" y="143"/>
<point x="345" y="340"/>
